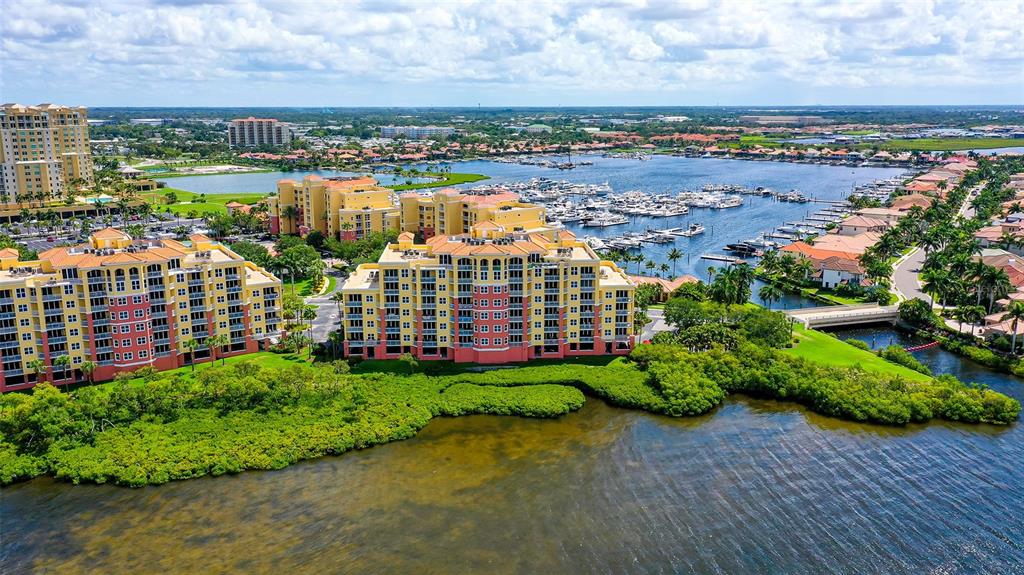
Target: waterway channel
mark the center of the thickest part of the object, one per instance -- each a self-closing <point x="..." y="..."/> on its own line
<point x="754" y="487"/>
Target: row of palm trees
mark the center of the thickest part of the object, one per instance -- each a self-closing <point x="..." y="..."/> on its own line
<point x="652" y="267"/>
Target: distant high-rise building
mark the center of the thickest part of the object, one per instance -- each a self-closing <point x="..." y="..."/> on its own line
<point x="252" y="132"/>
<point x="416" y="132"/>
<point x="44" y="151"/>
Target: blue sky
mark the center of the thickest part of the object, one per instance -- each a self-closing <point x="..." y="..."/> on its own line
<point x="497" y="53"/>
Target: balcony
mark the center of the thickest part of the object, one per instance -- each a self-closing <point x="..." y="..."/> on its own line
<point x="106" y="349"/>
<point x="236" y="315"/>
<point x="11" y="329"/>
<point x="623" y="299"/>
<point x="588" y="276"/>
<point x="9" y="315"/>
<point x="8" y="344"/>
<point x="6" y="301"/>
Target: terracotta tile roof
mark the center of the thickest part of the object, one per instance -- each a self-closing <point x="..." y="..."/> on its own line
<point x="9" y="253"/>
<point x="815" y="254"/>
<point x="666" y="284"/>
<point x="111" y="234"/>
<point x="840" y="264"/>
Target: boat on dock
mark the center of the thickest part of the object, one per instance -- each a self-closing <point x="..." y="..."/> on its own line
<point x="724" y="258"/>
<point x="605" y="219"/>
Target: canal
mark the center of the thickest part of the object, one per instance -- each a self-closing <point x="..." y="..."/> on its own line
<point x="754" y="487"/>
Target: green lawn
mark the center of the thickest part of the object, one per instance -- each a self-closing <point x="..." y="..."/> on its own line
<point x="214" y="203"/>
<point x="303" y="288"/>
<point x="449" y="180"/>
<point x="949" y="144"/>
<point x="821" y="347"/>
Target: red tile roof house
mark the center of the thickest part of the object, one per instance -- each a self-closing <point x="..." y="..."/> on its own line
<point x="835" y="271"/>
<point x="667" y="285"/>
<point x="990" y="236"/>
<point x="860" y="224"/>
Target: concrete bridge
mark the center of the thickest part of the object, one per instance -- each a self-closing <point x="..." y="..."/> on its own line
<point x="840" y="315"/>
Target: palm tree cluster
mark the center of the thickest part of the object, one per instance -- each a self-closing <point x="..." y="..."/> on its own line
<point x="731" y="284"/>
<point x="653" y="268"/>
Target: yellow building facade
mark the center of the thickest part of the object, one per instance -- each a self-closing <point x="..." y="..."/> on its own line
<point x="491" y="296"/>
<point x="450" y="212"/>
<point x="44" y="152"/>
<point x="123" y="304"/>
<point x="344" y="208"/>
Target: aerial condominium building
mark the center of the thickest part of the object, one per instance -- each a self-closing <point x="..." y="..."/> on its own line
<point x="490" y="296"/>
<point x="252" y="132"/>
<point x="450" y="212"/>
<point x="123" y="304"/>
<point x="44" y="152"/>
<point x="344" y="208"/>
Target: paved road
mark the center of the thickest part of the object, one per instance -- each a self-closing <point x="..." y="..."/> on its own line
<point x="327" y="319"/>
<point x="905" y="271"/>
<point x="905" y="276"/>
<point x="656" y="325"/>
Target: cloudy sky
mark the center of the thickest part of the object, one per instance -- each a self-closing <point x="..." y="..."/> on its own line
<point x="499" y="53"/>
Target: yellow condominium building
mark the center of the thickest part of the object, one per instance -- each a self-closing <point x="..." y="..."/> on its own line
<point x="123" y="304"/>
<point x="490" y="296"/>
<point x="450" y="212"/>
<point x="44" y="151"/>
<point x="344" y="208"/>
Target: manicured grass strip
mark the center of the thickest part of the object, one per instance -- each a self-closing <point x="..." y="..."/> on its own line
<point x="822" y="348"/>
<point x="214" y="204"/>
<point x="950" y="144"/>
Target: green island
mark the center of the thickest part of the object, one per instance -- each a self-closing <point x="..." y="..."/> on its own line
<point x="443" y="179"/>
<point x="267" y="410"/>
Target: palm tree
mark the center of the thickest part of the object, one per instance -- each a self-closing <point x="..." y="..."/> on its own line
<point x="1016" y="313"/>
<point x="769" y="293"/>
<point x="336" y="338"/>
<point x="39" y="367"/>
<point x="88" y="368"/>
<point x="216" y="343"/>
<point x="62" y="362"/>
<point x="309" y="314"/>
<point x="290" y="213"/>
<point x="997" y="283"/>
<point x="674" y="255"/>
<point x="191" y="345"/>
<point x="663" y="268"/>
<point x="338" y="297"/>
<point x="971" y="314"/>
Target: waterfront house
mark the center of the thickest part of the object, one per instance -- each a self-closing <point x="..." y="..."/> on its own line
<point x="904" y="203"/>
<point x="835" y="271"/>
<point x="857" y="225"/>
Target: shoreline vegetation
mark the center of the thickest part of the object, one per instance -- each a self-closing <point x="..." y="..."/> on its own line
<point x="267" y="411"/>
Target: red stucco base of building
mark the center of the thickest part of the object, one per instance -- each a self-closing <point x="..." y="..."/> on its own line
<point x="107" y="372"/>
<point x="493" y="356"/>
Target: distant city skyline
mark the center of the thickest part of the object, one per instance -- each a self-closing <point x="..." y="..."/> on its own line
<point x="629" y="53"/>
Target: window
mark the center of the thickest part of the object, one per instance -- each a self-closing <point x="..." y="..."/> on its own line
<point x="24" y="322"/>
<point x="122" y="315"/>
<point x="126" y="343"/>
<point x="70" y="304"/>
<point x="128" y="356"/>
<point x="141" y="341"/>
<point x="76" y="346"/>
<point x="22" y="307"/>
<point x="125" y="328"/>
<point x="26" y="337"/>
<point x="73" y="332"/>
<point x="140" y="327"/>
<point x="136" y="299"/>
<point x="143" y="354"/>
